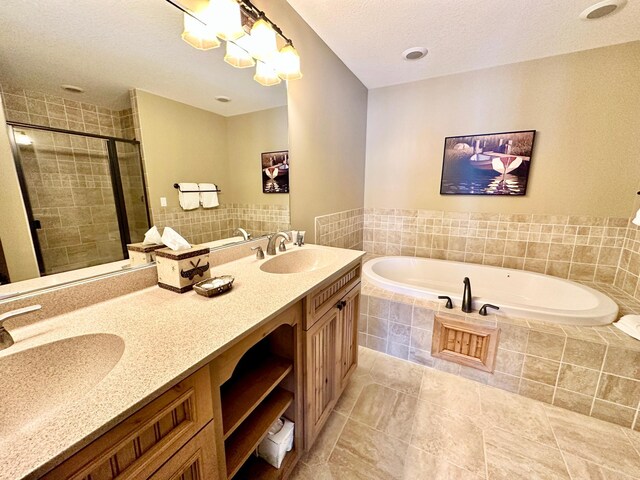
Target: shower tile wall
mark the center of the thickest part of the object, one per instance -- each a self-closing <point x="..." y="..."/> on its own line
<point x="576" y="247"/>
<point x="68" y="177"/>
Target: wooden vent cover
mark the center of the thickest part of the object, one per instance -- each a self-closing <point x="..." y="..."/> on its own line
<point x="471" y="345"/>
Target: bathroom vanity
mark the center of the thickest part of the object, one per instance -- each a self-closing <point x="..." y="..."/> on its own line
<point x="200" y="380"/>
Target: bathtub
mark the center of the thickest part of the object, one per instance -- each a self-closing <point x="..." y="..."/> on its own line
<point x="518" y="293"/>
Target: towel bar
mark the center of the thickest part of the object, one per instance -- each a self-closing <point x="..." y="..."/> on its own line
<point x="175" y="185"/>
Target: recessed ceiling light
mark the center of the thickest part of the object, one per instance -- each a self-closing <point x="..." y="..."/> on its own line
<point x="223" y="99"/>
<point x="72" y="88"/>
<point x="602" y="9"/>
<point x="415" y="53"/>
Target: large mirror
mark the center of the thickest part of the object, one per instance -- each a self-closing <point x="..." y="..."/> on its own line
<point x="87" y="170"/>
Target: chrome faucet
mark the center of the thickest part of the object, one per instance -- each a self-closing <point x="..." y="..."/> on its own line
<point x="271" y="246"/>
<point x="245" y="235"/>
<point x="467" y="306"/>
<point x="6" y="340"/>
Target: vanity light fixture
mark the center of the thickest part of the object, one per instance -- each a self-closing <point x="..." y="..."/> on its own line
<point x="226" y="18"/>
<point x="264" y="46"/>
<point x="238" y="57"/>
<point x="266" y="75"/>
<point x="252" y="38"/>
<point x="197" y="32"/>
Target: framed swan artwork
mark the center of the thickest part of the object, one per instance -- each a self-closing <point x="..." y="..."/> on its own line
<point x="275" y="172"/>
<point x="487" y="164"/>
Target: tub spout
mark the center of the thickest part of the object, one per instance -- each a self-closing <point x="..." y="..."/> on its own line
<point x="467" y="306"/>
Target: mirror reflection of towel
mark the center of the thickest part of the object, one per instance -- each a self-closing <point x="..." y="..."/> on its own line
<point x="208" y="199"/>
<point x="188" y="200"/>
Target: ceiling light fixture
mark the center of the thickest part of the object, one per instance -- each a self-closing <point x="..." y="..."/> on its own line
<point x="414" y="53"/>
<point x="223" y="99"/>
<point x="602" y="9"/>
<point x="22" y="138"/>
<point x="252" y="38"/>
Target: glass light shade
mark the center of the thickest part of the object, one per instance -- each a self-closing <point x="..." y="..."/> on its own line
<point x="636" y="221"/>
<point x="238" y="57"/>
<point x="226" y="19"/>
<point x="264" y="45"/>
<point x="289" y="63"/>
<point x="199" y="35"/>
<point x="266" y="75"/>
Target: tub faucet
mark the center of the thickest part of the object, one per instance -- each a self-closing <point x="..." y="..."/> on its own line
<point x="467" y="306"/>
<point x="271" y="246"/>
<point x="245" y="235"/>
<point x="6" y="340"/>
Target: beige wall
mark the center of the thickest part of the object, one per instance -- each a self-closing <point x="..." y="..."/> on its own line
<point x="180" y="143"/>
<point x="14" y="226"/>
<point x="584" y="107"/>
<point x="327" y="125"/>
<point x="248" y="136"/>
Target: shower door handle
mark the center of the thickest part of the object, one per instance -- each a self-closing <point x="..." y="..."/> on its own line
<point x="36" y="225"/>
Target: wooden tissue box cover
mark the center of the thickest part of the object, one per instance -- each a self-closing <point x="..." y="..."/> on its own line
<point x="179" y="270"/>
<point x="141" y="254"/>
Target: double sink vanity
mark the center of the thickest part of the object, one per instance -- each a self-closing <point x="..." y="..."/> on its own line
<point x="154" y="384"/>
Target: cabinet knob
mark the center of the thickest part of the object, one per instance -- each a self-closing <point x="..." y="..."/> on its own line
<point x="341" y="304"/>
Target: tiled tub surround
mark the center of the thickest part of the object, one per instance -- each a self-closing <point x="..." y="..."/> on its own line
<point x="402" y="421"/>
<point x="209" y="224"/>
<point x="341" y="229"/>
<point x="575" y="247"/>
<point x="590" y="370"/>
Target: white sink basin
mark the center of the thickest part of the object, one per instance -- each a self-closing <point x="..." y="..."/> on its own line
<point x="297" y="261"/>
<point x="36" y="381"/>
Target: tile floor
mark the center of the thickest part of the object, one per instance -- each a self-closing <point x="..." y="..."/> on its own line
<point x="399" y="420"/>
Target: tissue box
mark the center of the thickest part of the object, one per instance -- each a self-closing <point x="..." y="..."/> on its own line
<point x="277" y="443"/>
<point x="141" y="254"/>
<point x="178" y="270"/>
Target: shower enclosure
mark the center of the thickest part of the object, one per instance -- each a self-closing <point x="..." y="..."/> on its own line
<point x="84" y="195"/>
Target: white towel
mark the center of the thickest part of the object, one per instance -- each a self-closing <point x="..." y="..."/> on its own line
<point x="188" y="201"/>
<point x="208" y="199"/>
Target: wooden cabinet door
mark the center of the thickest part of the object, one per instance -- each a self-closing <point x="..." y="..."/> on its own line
<point x="348" y="337"/>
<point x="321" y="354"/>
<point x="195" y="461"/>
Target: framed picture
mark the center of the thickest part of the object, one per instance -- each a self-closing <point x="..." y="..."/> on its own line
<point x="487" y="164"/>
<point x="275" y="172"/>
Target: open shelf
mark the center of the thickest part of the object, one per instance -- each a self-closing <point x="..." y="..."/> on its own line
<point x="242" y="394"/>
<point x="241" y="444"/>
<point x="256" y="468"/>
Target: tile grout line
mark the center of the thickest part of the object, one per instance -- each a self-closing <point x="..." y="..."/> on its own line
<point x="595" y="395"/>
<point x="555" y="387"/>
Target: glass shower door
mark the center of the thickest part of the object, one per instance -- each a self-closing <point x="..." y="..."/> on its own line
<point x="72" y="193"/>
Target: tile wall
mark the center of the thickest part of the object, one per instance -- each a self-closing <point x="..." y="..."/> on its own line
<point x="627" y="278"/>
<point x="206" y="225"/>
<point x="575" y="247"/>
<point x="342" y="229"/>
<point x="68" y="177"/>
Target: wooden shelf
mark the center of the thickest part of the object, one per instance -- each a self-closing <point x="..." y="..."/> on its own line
<point x="257" y="469"/>
<point x="241" y="444"/>
<point x="240" y="396"/>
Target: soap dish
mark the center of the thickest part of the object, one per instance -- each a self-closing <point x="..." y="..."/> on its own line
<point x="214" y="286"/>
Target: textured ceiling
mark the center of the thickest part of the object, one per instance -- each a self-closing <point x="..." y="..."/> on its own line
<point x="461" y="35"/>
<point x="110" y="46"/>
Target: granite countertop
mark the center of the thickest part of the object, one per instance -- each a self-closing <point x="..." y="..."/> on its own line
<point x="166" y="336"/>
